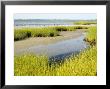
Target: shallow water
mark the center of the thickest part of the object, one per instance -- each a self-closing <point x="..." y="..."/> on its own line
<point x="58" y="50"/>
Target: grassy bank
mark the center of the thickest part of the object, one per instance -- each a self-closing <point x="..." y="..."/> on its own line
<point x="23" y="33"/>
<point x="91" y="36"/>
<point x="85" y="22"/>
<point x="83" y="64"/>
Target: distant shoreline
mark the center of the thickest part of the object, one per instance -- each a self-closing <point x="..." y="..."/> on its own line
<point x="51" y="26"/>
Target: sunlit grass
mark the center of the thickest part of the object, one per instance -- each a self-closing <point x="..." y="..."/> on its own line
<point x="43" y="32"/>
<point x="22" y="33"/>
<point x="84" y="64"/>
<point x="30" y="65"/>
<point x="91" y="36"/>
<point x="85" y="22"/>
<point x="69" y="28"/>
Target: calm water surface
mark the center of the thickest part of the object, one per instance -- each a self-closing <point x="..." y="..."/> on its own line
<point x="58" y="50"/>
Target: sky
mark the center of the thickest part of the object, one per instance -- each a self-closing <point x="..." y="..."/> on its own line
<point x="72" y="16"/>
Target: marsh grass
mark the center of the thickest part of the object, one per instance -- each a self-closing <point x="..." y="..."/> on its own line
<point x="85" y="22"/>
<point x="69" y="28"/>
<point x="22" y="33"/>
<point x="44" y="32"/>
<point x="83" y="64"/>
<point x="91" y="36"/>
<point x="30" y="65"/>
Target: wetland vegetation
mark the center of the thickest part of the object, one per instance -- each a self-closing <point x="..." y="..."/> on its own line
<point x="85" y="22"/>
<point x="52" y="31"/>
<point x="82" y="64"/>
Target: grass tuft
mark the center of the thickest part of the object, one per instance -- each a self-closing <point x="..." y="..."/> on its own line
<point x="91" y="35"/>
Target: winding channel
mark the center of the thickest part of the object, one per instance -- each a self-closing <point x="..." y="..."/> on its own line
<point x="57" y="48"/>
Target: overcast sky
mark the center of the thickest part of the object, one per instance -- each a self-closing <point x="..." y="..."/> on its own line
<point x="81" y="16"/>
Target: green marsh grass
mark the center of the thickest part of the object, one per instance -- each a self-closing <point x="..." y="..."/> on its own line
<point x="23" y="33"/>
<point x="52" y="31"/>
<point x="69" y="28"/>
<point x="43" y="32"/>
<point x="91" y="35"/>
<point x="85" y="22"/>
